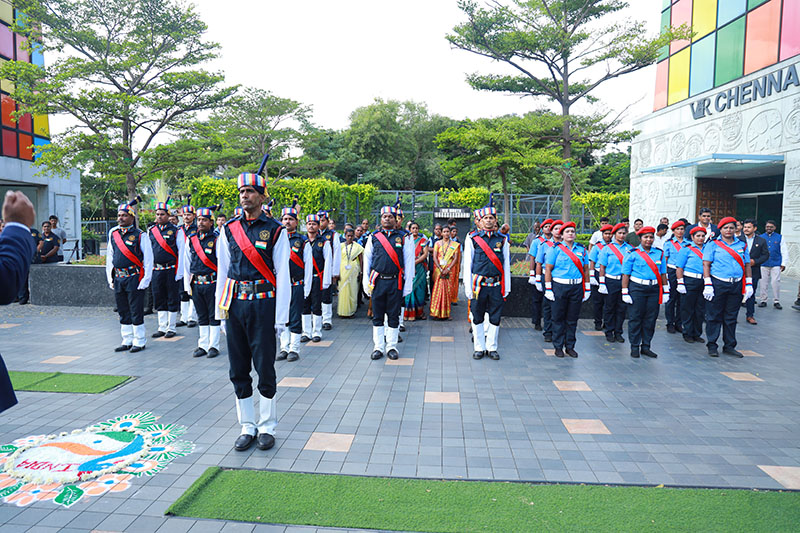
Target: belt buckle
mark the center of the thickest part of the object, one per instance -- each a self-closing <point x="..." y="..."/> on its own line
<point x="246" y="288"/>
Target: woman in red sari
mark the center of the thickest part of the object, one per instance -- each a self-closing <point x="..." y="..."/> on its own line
<point x="456" y="267"/>
<point x="445" y="259"/>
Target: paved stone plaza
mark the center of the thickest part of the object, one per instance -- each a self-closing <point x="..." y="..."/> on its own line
<point x="683" y="419"/>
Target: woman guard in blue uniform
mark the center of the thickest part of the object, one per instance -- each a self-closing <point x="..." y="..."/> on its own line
<point x="541" y="253"/>
<point x="672" y="249"/>
<point x="727" y="283"/>
<point x="566" y="282"/>
<point x="598" y="299"/>
<point x="609" y="263"/>
<point x="689" y="274"/>
<point x="644" y="288"/>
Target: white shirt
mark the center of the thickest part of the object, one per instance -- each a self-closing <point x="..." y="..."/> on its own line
<point x="596" y="237"/>
<point x="659" y="242"/>
<point x="147" y="259"/>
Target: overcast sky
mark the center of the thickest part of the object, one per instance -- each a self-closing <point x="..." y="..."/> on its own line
<point x="337" y="56"/>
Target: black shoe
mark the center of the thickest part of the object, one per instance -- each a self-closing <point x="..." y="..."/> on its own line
<point x="212" y="353"/>
<point x="777" y="305"/>
<point x="648" y="352"/>
<point x="454" y="303"/>
<point x="170" y="334"/>
<point x="135" y="349"/>
<point x="797" y="302"/>
<point x="392" y="354"/>
<point x="477" y="354"/>
<point x="23" y="302"/>
<point x="283" y="354"/>
<point x="678" y="328"/>
<point x="762" y="304"/>
<point x="548" y="338"/>
<point x="699" y="339"/>
<point x="713" y="352"/>
<point x="180" y="324"/>
<point x="158" y="334"/>
<point x="598" y="327"/>
<point x="670" y="328"/>
<point x="732" y="351"/>
<point x="243" y="442"/>
<point x="688" y="339"/>
<point x="199" y="352"/>
<point x="265" y="441"/>
<point x="399" y="339"/>
<point x="559" y="352"/>
<point x="402" y="327"/>
<point x="147" y="311"/>
<point x="293" y="356"/>
<point x="620" y="339"/>
<point x="326" y="326"/>
<point x="537" y="327"/>
<point x="635" y="352"/>
<point x="316" y="338"/>
<point x="192" y="324"/>
<point x="377" y="354"/>
<point x="572" y="353"/>
<point x="123" y="348"/>
<point x="796" y="307"/>
<point x="304" y="339"/>
<point x="494" y="356"/>
<point x="610" y="337"/>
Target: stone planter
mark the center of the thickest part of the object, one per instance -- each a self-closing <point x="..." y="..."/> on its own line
<point x="70" y="285"/>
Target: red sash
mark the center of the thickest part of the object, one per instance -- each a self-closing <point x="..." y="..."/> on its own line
<point x="314" y="263"/>
<point x="296" y="259"/>
<point x="392" y="255"/>
<point x="654" y="268"/>
<point x="198" y="249"/>
<point x="616" y="251"/>
<point x="572" y="256"/>
<point x="494" y="259"/>
<point x="163" y="243"/>
<point x="738" y="260"/>
<point x="676" y="244"/>
<point x="249" y="250"/>
<point x="122" y="247"/>
<point x="698" y="252"/>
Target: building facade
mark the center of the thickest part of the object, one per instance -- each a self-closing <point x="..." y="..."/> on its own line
<point x="18" y="138"/>
<point x="725" y="130"/>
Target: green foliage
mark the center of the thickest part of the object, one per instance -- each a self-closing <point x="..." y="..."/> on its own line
<point x="612" y="174"/>
<point x="470" y="197"/>
<point x="600" y="204"/>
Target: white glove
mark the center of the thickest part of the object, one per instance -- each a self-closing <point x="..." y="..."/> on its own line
<point x="538" y="283"/>
<point x="142" y="286"/>
<point x="708" y="290"/>
<point x="111" y="285"/>
<point x="664" y="297"/>
<point x="532" y="277"/>
<point x="681" y="286"/>
<point x="626" y="297"/>
<point x="603" y="289"/>
<point x="593" y="280"/>
<point x="548" y="291"/>
<point x="748" y="289"/>
<point x="587" y="291"/>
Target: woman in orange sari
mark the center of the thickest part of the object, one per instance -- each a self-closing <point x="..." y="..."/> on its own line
<point x="445" y="260"/>
<point x="456" y="267"/>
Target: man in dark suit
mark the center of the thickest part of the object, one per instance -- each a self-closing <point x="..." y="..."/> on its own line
<point x="16" y="251"/>
<point x="759" y="253"/>
<point x="704" y="220"/>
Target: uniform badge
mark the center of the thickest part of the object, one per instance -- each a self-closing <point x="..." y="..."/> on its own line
<point x="320" y="244"/>
<point x="296" y="245"/>
<point x="264" y="235"/>
<point x="169" y="232"/>
<point x="398" y="240"/>
<point x="131" y="238"/>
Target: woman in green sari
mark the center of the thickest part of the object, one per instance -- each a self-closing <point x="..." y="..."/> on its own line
<point x="415" y="302"/>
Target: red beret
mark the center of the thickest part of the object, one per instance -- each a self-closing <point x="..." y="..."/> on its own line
<point x="548" y="221"/>
<point x="697" y="229"/>
<point x="618" y="227"/>
<point x="646" y="229"/>
<point x="678" y="224"/>
<point x="568" y="225"/>
<point x="606" y="227"/>
<point x="727" y="220"/>
<point x="558" y="222"/>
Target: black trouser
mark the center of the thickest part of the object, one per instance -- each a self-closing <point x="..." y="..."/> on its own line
<point x="644" y="311"/>
<point x="597" y="305"/>
<point x="203" y="298"/>
<point x="673" y="308"/>
<point x="24" y="290"/>
<point x="184" y="297"/>
<point x="313" y="304"/>
<point x="693" y="307"/>
<point x="166" y="291"/>
<point x="722" y="312"/>
<point x="751" y="302"/>
<point x="613" y="307"/>
<point x="536" y="306"/>
<point x="488" y="300"/>
<point x="327" y="295"/>
<point x="565" y="312"/>
<point x="547" y="316"/>
<point x="130" y="300"/>
<point x="250" y="329"/>
<point x="296" y="305"/>
<point x="387" y="300"/>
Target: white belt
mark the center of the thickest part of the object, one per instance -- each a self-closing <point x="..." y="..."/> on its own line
<point x="671" y="266"/>
<point x="565" y="281"/>
<point x="692" y="275"/>
<point x="727" y="280"/>
<point x="609" y="276"/>
<point x="641" y="281"/>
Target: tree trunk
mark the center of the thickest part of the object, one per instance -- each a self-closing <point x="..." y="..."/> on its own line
<point x="506" y="203"/>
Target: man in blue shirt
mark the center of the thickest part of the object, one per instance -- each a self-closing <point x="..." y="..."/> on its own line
<point x="727" y="276"/>
<point x="689" y="278"/>
<point x="771" y="269"/>
<point x="672" y="249"/>
<point x="644" y="288"/>
<point x="566" y="286"/>
<point x="609" y="262"/>
<point x="533" y="279"/>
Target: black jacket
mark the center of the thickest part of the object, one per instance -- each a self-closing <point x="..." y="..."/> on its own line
<point x="758" y="253"/>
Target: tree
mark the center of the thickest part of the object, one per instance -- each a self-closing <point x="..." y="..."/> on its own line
<point x="127" y="73"/>
<point x="561" y="50"/>
<point x="612" y="174"/>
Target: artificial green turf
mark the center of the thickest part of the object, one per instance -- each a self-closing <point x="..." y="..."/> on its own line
<point x="461" y="506"/>
<point x="58" y="382"/>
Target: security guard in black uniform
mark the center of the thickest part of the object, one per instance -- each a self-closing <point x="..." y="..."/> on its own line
<point x="186" y="230"/>
<point x="200" y="281"/>
<point x="301" y="274"/>
<point x="322" y="264"/>
<point x="336" y="261"/>
<point x="167" y="271"/>
<point x="253" y="293"/>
